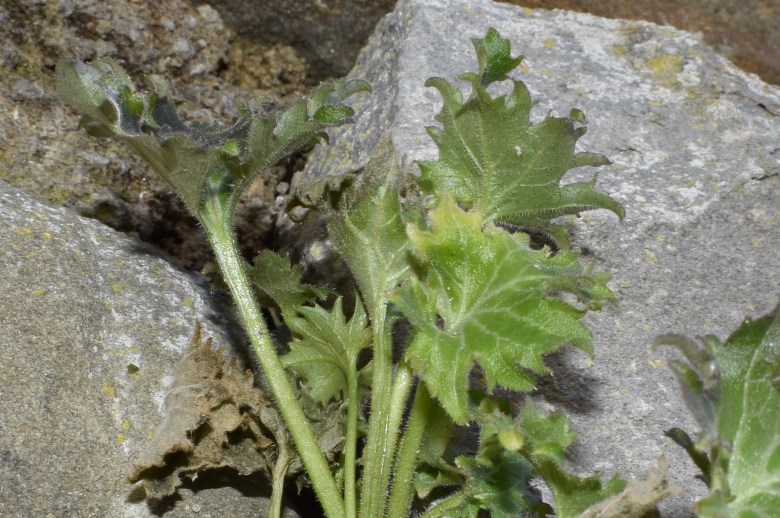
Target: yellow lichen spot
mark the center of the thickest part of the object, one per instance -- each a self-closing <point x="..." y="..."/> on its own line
<point x="656" y="364"/>
<point x="23" y="231"/>
<point x="528" y="11"/>
<point x="655" y="103"/>
<point x="108" y="306"/>
<point x="39" y="292"/>
<point x="125" y="424"/>
<point x="651" y="257"/>
<point x="46" y="236"/>
<point x="589" y="362"/>
<point x="121" y="438"/>
<point x="109" y="390"/>
<point x="646" y="327"/>
<point x="660" y="238"/>
<point x="666" y="68"/>
<point x="549" y="43"/>
<point x="619" y="50"/>
<point x="188" y="302"/>
<point x="523" y="69"/>
<point x="117" y="288"/>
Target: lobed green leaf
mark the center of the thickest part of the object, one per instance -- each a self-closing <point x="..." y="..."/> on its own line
<point x="325" y="348"/>
<point x="497" y="481"/>
<point x="484" y="298"/>
<point x="545" y="439"/>
<point x="278" y="282"/>
<point x="494" y="160"/>
<point x="494" y="57"/>
<point x="369" y="232"/>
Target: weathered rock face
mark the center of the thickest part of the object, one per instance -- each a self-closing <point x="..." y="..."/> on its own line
<point x="696" y="163"/>
<point x="745" y="31"/>
<point x="92" y="325"/>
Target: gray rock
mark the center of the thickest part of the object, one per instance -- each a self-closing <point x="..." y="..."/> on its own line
<point x="92" y="324"/>
<point x="696" y="163"/>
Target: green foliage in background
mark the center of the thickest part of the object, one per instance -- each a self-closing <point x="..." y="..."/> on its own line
<point x="733" y="392"/>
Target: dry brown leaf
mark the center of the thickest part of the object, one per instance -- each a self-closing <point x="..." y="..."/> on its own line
<point x="640" y="497"/>
<point x="216" y="417"/>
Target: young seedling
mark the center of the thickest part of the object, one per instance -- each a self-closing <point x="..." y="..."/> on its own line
<point x="449" y="253"/>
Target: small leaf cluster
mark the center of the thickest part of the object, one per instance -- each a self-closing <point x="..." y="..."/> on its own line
<point x="199" y="162"/>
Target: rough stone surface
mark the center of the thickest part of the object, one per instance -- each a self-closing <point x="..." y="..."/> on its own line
<point x="696" y="163"/>
<point x="92" y="324"/>
<point x="745" y="31"/>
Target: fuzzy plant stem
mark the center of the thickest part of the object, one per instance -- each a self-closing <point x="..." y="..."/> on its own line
<point x="283" y="461"/>
<point x="408" y="451"/>
<point x="452" y="504"/>
<point x="387" y="407"/>
<point x="223" y="241"/>
<point x="350" y="448"/>
<point x="376" y="458"/>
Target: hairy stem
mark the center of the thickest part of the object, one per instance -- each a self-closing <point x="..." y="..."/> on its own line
<point x="380" y="462"/>
<point x="376" y="457"/>
<point x="280" y="471"/>
<point x="452" y="503"/>
<point x="223" y="241"/>
<point x="350" y="448"/>
<point x="406" y="463"/>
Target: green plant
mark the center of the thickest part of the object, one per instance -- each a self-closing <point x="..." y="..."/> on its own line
<point x="733" y="392"/>
<point x="466" y="255"/>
